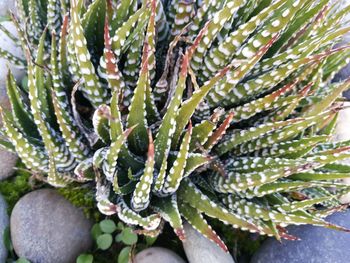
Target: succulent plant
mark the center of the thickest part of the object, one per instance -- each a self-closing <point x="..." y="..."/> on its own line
<point x="183" y="110"/>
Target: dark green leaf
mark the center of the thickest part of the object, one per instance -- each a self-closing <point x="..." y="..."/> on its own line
<point x="108" y="226"/>
<point x="124" y="255"/>
<point x="85" y="258"/>
<point x="104" y="241"/>
<point x="128" y="236"/>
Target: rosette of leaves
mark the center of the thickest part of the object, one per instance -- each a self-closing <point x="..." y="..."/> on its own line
<point x="183" y="110"/>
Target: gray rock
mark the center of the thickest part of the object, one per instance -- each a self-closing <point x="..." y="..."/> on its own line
<point x="343" y="74"/>
<point x="199" y="249"/>
<point x="317" y="244"/>
<point x="45" y="227"/>
<point x="4" y="222"/>
<point x="6" y="5"/>
<point x="157" y="255"/>
<point x="8" y="162"/>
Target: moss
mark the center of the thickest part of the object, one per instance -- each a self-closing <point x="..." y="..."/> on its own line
<point x="15" y="187"/>
<point x="82" y="197"/>
<point x="20" y="184"/>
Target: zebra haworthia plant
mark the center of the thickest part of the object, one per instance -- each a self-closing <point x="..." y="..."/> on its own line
<point x="184" y="110"/>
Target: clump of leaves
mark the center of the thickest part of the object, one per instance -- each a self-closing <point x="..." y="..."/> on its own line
<point x="13" y="188"/>
<point x="182" y="110"/>
<point x="114" y="241"/>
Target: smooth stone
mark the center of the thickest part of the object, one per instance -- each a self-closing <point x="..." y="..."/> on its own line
<point x="8" y="162"/>
<point x="7" y="5"/>
<point x="157" y="255"/>
<point x="317" y="244"/>
<point x="199" y="249"/>
<point x="342" y="131"/>
<point x="45" y="227"/>
<point x="4" y="223"/>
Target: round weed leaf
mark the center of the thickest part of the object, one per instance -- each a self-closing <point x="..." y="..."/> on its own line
<point x="22" y="260"/>
<point x="104" y="241"/>
<point x="119" y="238"/>
<point x="85" y="258"/>
<point x="128" y="236"/>
<point x="108" y="226"/>
<point x="120" y="226"/>
<point x="124" y="255"/>
<point x="96" y="231"/>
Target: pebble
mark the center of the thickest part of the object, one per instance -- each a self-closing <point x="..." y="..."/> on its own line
<point x="157" y="255"/>
<point x="317" y="244"/>
<point x="45" y="228"/>
<point x="5" y="6"/>
<point x="199" y="249"/>
<point x="4" y="223"/>
<point x="8" y="162"/>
